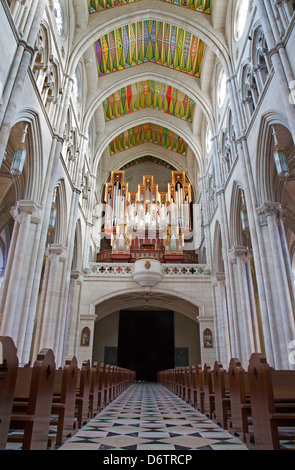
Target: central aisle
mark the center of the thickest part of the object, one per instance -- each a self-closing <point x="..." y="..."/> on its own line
<point x="147" y="416"/>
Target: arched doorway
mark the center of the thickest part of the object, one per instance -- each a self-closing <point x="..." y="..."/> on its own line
<point x="146" y="333"/>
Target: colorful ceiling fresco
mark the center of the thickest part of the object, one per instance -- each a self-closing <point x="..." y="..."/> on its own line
<point x="149" y="94"/>
<point x="204" y="6"/>
<point x="148" y="133"/>
<point x="149" y="41"/>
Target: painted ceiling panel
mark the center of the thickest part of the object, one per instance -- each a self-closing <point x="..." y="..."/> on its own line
<point x="149" y="41"/>
<point x="199" y="5"/>
<point x="148" y="133"/>
<point x="149" y="94"/>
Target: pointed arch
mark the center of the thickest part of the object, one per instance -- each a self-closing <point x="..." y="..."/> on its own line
<point x="264" y="160"/>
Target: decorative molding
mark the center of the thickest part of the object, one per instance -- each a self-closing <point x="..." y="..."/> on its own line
<point x="127" y="270"/>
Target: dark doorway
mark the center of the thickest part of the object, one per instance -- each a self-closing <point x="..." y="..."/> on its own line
<point x="146" y="342"/>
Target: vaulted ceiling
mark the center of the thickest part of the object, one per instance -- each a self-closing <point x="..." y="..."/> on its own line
<point x="150" y="89"/>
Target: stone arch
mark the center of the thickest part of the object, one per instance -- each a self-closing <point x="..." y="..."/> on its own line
<point x="33" y="170"/>
<point x="236" y="232"/>
<point x="260" y="59"/>
<point x="26" y="186"/>
<point x="154" y="118"/>
<point x="199" y="26"/>
<point x="126" y="77"/>
<point x="58" y="230"/>
<point x="264" y="161"/>
<point x="196" y="302"/>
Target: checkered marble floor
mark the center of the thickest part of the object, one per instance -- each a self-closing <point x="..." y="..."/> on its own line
<point x="149" y="417"/>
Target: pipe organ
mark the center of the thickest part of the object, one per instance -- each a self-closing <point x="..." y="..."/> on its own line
<point x="147" y="219"/>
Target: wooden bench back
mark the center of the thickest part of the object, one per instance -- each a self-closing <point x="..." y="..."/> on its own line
<point x="84" y="392"/>
<point x="65" y="390"/>
<point x="264" y="397"/>
<point x="283" y="382"/>
<point x="94" y="388"/>
<point x="219" y="379"/>
<point x="35" y="384"/>
<point x="8" y="375"/>
<point x="58" y="382"/>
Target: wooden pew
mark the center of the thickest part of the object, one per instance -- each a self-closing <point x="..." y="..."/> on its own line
<point x="186" y="385"/>
<point x="8" y="375"/>
<point x="94" y="391"/>
<point x="82" y="394"/>
<point x="221" y="395"/>
<point x="115" y="382"/>
<point x="101" y="387"/>
<point x="208" y="391"/>
<point x="64" y="401"/>
<point x="106" y="385"/>
<point x="32" y="403"/>
<point x="272" y="394"/>
<point x="111" y="383"/>
<point x="180" y="382"/>
<point x="240" y="420"/>
<point x="200" y="388"/>
<point x="172" y="380"/>
<point x="193" y="387"/>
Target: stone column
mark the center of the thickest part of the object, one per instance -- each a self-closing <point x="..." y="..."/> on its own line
<point x="18" y="73"/>
<point x="282" y="319"/>
<point x="17" y="286"/>
<point x="242" y="256"/>
<point x="221" y="319"/>
<point x="72" y="328"/>
<point x="255" y="228"/>
<point x="50" y="327"/>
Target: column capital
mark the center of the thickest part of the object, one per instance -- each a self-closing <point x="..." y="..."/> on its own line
<point x="274" y="209"/>
<point x="218" y="278"/>
<point x="240" y="252"/>
<point x="23" y="208"/>
<point x="57" y="251"/>
<point x="77" y="276"/>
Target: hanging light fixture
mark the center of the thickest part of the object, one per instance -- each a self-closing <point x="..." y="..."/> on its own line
<point x="280" y="158"/>
<point x="19" y="157"/>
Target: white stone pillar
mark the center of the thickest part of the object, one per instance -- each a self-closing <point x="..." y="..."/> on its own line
<point x="18" y="73"/>
<point x="255" y="312"/>
<point x="283" y="317"/>
<point x="51" y="324"/>
<point x="243" y="305"/>
<point x="221" y="319"/>
<point x="17" y="288"/>
<point x="72" y="329"/>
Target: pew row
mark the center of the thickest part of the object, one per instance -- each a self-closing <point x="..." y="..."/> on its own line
<point x="257" y="405"/>
<point x="41" y="406"/>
